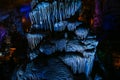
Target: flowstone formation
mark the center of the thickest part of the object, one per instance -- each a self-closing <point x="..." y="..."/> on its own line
<point x="59" y="45"/>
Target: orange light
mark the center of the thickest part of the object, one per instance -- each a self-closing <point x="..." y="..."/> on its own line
<point x="80" y="18"/>
<point x="12" y="50"/>
<point x="116" y="60"/>
<point x="91" y="21"/>
<point x="23" y="19"/>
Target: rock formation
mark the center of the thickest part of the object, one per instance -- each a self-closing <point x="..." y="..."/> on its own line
<point x="59" y="44"/>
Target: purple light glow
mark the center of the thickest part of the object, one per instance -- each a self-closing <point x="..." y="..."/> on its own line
<point x="98" y="14"/>
<point x="2" y="33"/>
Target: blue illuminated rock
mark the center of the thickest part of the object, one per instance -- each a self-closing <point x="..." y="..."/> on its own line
<point x="63" y="43"/>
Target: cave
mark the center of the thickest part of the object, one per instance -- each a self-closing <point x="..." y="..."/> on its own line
<point x="59" y="40"/>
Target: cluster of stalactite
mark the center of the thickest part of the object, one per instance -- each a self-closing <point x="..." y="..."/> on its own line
<point x="45" y="15"/>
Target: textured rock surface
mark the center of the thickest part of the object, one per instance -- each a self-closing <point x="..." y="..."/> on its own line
<point x="54" y="70"/>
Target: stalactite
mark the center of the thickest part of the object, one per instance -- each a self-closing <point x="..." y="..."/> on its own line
<point x="34" y="39"/>
<point x="60" y="26"/>
<point x="31" y="18"/>
<point x="58" y="13"/>
<point x="33" y="3"/>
